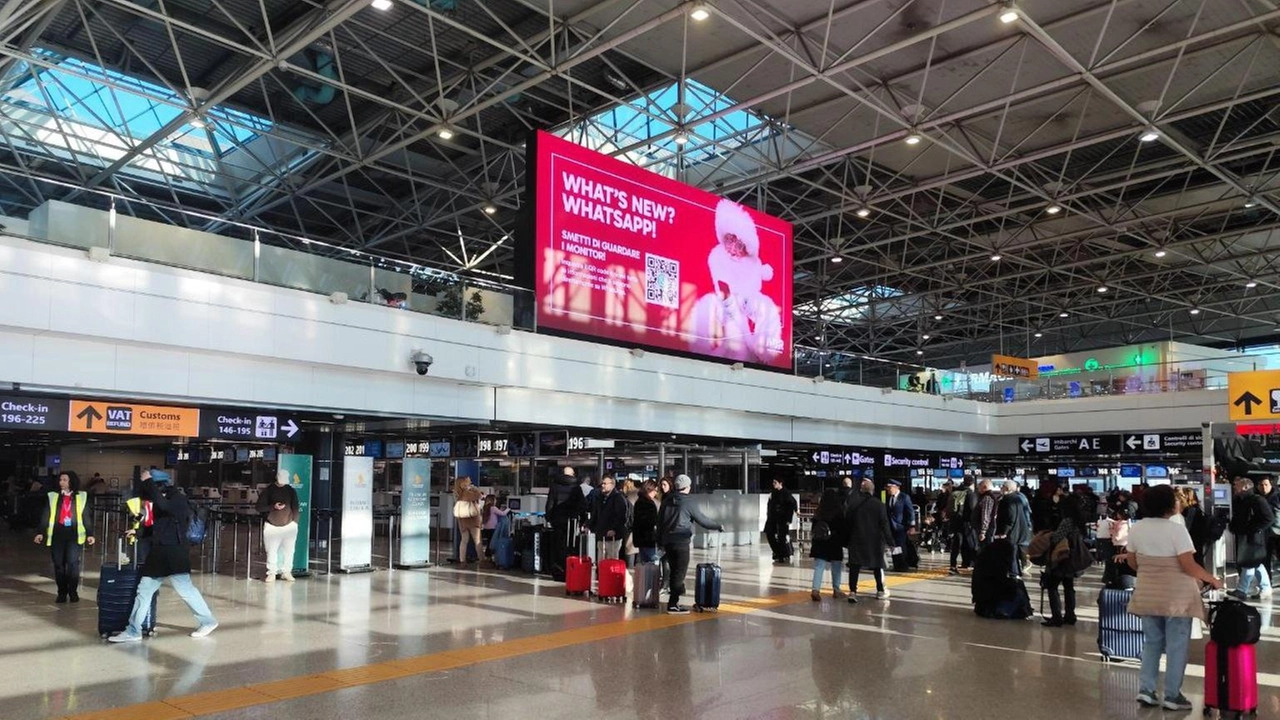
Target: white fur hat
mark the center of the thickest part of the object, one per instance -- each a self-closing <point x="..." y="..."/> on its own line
<point x="733" y="218"/>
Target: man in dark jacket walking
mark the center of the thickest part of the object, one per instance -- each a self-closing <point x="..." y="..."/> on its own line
<point x="868" y="526"/>
<point x="960" y="509"/>
<point x="608" y="518"/>
<point x="675" y="532"/>
<point x="169" y="557"/>
<point x="777" y="525"/>
<point x="565" y="506"/>
<point x="1013" y="521"/>
<point x="1251" y="518"/>
<point x="902" y="522"/>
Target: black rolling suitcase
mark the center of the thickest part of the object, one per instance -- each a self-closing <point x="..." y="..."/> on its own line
<point x="706" y="584"/>
<point x="1119" y="633"/>
<point x="117" y="588"/>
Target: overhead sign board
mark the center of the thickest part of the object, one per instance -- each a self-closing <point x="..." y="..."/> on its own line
<point x="1254" y="395"/>
<point x="24" y="413"/>
<point x="843" y="457"/>
<point x="1069" y="445"/>
<point x="264" y="425"/>
<point x="1157" y="443"/>
<point x="126" y="418"/>
<point x="1006" y="366"/>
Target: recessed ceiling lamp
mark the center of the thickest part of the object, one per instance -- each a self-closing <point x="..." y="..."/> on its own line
<point x="1009" y="14"/>
<point x="1103" y="288"/>
<point x="382" y="5"/>
<point x="1149" y="135"/>
<point x="863" y="212"/>
<point x="1053" y="209"/>
<point x="490" y="208"/>
<point x="445" y="133"/>
<point x="1161" y="253"/>
<point x="681" y="137"/>
<point x="913" y="138"/>
<point x="699" y="12"/>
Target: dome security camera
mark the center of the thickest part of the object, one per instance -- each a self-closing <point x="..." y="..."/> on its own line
<point x="422" y="361"/>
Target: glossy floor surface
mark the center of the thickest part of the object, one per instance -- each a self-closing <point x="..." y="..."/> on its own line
<point x="481" y="644"/>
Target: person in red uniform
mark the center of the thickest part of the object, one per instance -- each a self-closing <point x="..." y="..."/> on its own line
<point x="66" y="532"/>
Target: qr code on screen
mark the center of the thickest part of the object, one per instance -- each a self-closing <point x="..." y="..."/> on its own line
<point x="662" y="281"/>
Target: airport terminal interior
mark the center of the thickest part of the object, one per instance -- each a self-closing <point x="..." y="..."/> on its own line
<point x="639" y="359"/>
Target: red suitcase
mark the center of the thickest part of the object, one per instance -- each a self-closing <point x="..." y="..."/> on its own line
<point x="577" y="572"/>
<point x="1230" y="678"/>
<point x="612" y="581"/>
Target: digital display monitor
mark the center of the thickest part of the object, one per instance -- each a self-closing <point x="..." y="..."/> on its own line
<point x="621" y="254"/>
<point x="957" y="473"/>
<point x="242" y="454"/>
<point x="940" y="473"/>
<point x="269" y="454"/>
<point x="373" y="448"/>
<point x="553" y="444"/>
<point x="1130" y="471"/>
<point x="1157" y="471"/>
<point x="513" y="504"/>
<point x="465" y="446"/>
<point x="395" y="450"/>
<point x="1066" y="472"/>
<point x="440" y="447"/>
<point x="522" y="444"/>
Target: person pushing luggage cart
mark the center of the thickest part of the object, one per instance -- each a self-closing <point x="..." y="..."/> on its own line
<point x="675" y="532"/>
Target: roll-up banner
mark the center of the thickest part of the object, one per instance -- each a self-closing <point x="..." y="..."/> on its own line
<point x="298" y="468"/>
<point x="357" y="514"/>
<point x="415" y="513"/>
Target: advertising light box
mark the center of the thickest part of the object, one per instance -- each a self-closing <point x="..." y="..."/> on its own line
<point x="636" y="259"/>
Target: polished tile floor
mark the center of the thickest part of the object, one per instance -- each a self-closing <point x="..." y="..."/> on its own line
<point x="479" y="644"/>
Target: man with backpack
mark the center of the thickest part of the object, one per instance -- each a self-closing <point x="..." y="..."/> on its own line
<point x="169" y="557"/>
<point x="959" y="511"/>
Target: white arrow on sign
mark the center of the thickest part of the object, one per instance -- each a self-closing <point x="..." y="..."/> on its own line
<point x="815" y="457"/>
<point x="1026" y="446"/>
<point x="1133" y="442"/>
<point x="290" y="428"/>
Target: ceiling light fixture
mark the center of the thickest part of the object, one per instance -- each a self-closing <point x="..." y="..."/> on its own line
<point x="919" y="352"/>
<point x="1010" y="13"/>
<point x="1161" y="253"/>
<point x="1064" y="314"/>
<point x="1053" y="209"/>
<point x="837" y="259"/>
<point x="925" y="337"/>
<point x="699" y="12"/>
<point x="1195" y="311"/>
<point x="1150" y="135"/>
<point x="1039" y="334"/>
<point x="199" y="122"/>
<point x="913" y="138"/>
<point x="1251" y="203"/>
<point x="445" y="133"/>
<point x="1251" y="284"/>
<point x="863" y="212"/>
<point x="996" y="257"/>
<point x="681" y="137"/>
<point x="382" y="5"/>
<point x="1103" y="288"/>
<point x="937" y="317"/>
<point x="490" y="209"/>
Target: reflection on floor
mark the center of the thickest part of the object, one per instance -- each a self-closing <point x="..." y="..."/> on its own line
<point x="464" y="643"/>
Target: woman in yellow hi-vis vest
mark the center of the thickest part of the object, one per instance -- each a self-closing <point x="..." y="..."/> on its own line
<point x="66" y="532"/>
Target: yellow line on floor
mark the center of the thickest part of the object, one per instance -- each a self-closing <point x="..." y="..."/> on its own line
<point x="216" y="701"/>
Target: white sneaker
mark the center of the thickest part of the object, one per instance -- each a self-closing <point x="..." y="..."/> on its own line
<point x="271" y="577"/>
<point x="883" y="594"/>
<point x="288" y="577"/>
<point x="204" y="630"/>
<point x="124" y="637"/>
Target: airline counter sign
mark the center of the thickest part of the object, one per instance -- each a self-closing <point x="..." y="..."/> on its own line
<point x="125" y="418"/>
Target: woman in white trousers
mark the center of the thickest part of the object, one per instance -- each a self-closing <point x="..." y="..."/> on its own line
<point x="279" y="505"/>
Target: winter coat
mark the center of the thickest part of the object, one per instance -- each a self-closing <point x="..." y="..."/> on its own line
<point x="1013" y="519"/>
<point x="1251" y="524"/>
<point x="608" y="512"/>
<point x="781" y="508"/>
<point x="867" y="525"/>
<point x="676" y="518"/>
<point x="644" y="529"/>
<point x="169" y="553"/>
<point x="565" y="501"/>
<point x="831" y="548"/>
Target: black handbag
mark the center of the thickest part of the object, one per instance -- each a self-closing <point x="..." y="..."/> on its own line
<point x="1232" y="622"/>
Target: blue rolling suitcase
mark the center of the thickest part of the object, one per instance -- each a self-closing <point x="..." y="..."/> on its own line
<point x="117" y="588"/>
<point x="706" y="584"/>
<point x="504" y="548"/>
<point x="1119" y="633"/>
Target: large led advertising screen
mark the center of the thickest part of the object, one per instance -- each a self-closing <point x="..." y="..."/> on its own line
<point x="635" y="258"/>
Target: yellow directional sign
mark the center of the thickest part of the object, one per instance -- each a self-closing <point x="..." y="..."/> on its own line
<point x="1254" y="395"/>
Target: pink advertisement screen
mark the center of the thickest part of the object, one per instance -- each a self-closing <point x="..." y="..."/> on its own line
<point x="633" y="257"/>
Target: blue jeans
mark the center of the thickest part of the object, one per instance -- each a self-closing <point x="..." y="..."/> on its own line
<point x="648" y="555"/>
<point x="837" y="570"/>
<point x="1168" y="636"/>
<point x="1248" y="575"/>
<point x="147" y="587"/>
